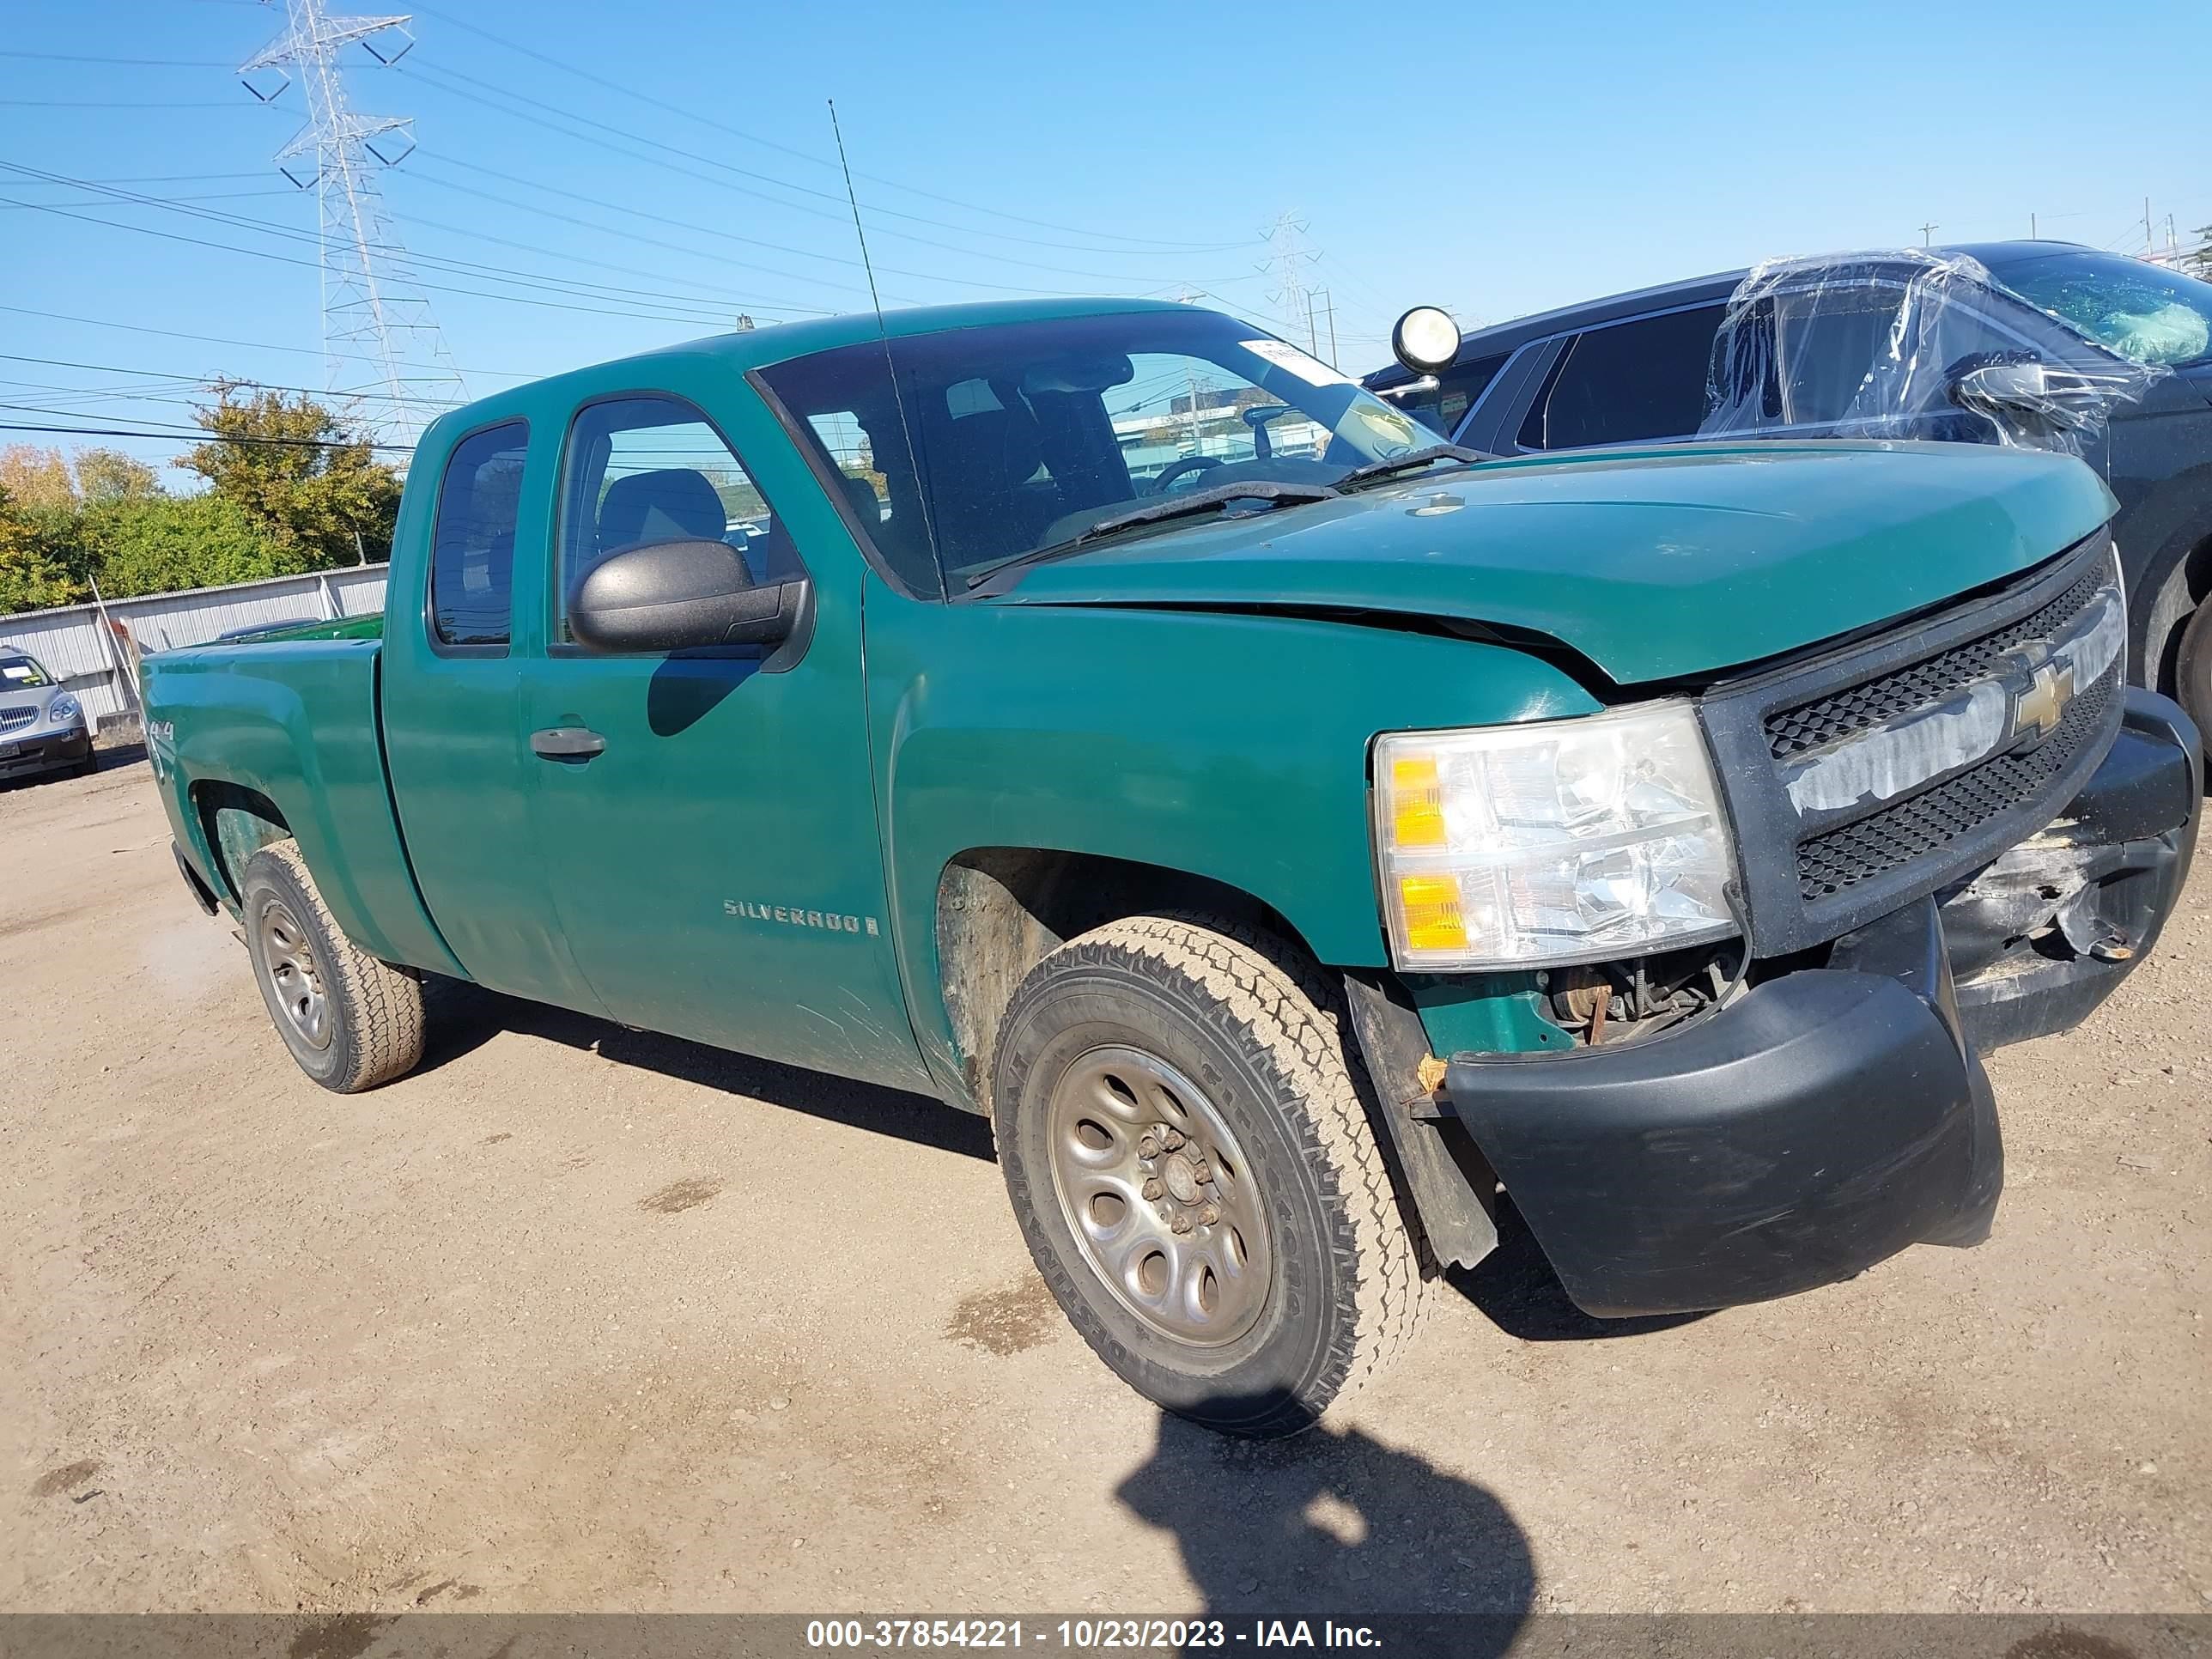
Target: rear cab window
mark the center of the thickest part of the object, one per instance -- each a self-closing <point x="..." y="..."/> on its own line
<point x="472" y="541"/>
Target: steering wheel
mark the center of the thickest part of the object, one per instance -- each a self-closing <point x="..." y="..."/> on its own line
<point x="1189" y="464"/>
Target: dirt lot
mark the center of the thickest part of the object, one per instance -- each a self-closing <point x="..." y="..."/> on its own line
<point x="576" y="1318"/>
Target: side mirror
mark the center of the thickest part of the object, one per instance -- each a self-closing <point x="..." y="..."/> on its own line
<point x="1425" y="340"/>
<point x="2012" y="393"/>
<point x="678" y="596"/>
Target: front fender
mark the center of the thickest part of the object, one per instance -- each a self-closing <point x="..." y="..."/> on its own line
<point x="1230" y="746"/>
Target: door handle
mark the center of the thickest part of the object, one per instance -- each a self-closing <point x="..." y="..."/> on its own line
<point x="567" y="742"/>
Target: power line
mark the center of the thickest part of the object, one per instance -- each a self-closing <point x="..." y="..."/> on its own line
<point x="194" y="379"/>
<point x="220" y="340"/>
<point x="436" y="79"/>
<point x="822" y="162"/>
<point x="126" y="103"/>
<point x="216" y="196"/>
<point x="199" y="435"/>
<point x="421" y="178"/>
<point x="634" y="313"/>
<point x="145" y="62"/>
<point x="703" y="301"/>
<point x="799" y="188"/>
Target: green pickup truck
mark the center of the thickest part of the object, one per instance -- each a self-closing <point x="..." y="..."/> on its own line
<point x="1297" y="836"/>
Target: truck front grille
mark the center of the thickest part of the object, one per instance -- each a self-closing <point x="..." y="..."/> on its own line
<point x="1822" y="850"/>
<point x="1858" y="708"/>
<point x="1923" y="825"/>
<point x="10" y="719"/>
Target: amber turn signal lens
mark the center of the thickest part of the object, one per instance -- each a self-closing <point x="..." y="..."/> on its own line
<point x="1417" y="802"/>
<point x="1431" y="907"/>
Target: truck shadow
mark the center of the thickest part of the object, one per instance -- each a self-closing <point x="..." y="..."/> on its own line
<point x="1513" y="1286"/>
<point x="463" y="1018"/>
<point x="1517" y="1291"/>
<point x="1334" y="1524"/>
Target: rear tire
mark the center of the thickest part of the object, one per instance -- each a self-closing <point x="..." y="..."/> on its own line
<point x="350" y="1021"/>
<point x="1254" y="1267"/>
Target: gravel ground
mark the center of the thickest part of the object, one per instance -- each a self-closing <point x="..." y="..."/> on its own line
<point x="578" y="1318"/>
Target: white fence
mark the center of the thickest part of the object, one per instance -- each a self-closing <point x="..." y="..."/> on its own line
<point x="76" y="650"/>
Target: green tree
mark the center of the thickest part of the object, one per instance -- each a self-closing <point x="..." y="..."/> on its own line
<point x="31" y="576"/>
<point x="305" y="481"/>
<point x="2201" y="260"/>
<point x="163" y="543"/>
<point x="109" y="474"/>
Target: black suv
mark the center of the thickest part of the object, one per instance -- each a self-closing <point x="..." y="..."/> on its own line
<point x="1634" y="370"/>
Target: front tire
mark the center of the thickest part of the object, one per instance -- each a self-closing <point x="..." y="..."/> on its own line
<point x="350" y="1021"/>
<point x="1194" y="1169"/>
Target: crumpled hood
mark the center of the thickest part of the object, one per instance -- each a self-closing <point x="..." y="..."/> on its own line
<point x="1654" y="564"/>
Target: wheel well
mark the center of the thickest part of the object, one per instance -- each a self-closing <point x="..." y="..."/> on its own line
<point x="237" y="823"/>
<point x="2183" y="588"/>
<point x="1001" y="909"/>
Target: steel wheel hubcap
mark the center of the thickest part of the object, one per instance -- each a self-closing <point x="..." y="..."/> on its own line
<point x="290" y="967"/>
<point x="1157" y="1193"/>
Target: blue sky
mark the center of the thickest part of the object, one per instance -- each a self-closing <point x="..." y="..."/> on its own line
<point x="1496" y="163"/>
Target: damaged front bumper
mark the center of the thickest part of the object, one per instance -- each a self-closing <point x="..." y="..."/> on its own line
<point x="2042" y="936"/>
<point x="1831" y="1116"/>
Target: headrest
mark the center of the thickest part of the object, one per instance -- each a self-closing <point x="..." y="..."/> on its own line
<point x="674" y="504"/>
<point x="866" y="502"/>
<point x="992" y="449"/>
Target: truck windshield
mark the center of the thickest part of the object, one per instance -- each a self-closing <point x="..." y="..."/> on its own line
<point x="2142" y="313"/>
<point x="19" y="673"/>
<point x="1007" y="438"/>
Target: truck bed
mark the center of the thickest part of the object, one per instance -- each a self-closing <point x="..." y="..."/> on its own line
<point x="290" y="729"/>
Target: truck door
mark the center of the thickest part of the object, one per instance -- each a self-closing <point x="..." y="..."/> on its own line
<point x="707" y="821"/>
<point x="452" y="701"/>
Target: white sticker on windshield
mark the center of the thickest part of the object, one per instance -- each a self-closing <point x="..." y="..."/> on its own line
<point x="15" y="671"/>
<point x="1311" y="370"/>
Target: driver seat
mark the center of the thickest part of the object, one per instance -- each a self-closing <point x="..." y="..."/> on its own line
<point x="979" y="462"/>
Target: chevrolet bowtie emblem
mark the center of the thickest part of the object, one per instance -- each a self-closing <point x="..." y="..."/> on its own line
<point x="2038" y="710"/>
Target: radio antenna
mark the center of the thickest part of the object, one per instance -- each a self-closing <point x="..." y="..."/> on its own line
<point x="891" y="367"/>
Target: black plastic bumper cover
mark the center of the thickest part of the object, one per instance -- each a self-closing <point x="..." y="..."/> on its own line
<point x="1826" y="1120"/>
<point x="1832" y="1117"/>
<point x="1836" y="1116"/>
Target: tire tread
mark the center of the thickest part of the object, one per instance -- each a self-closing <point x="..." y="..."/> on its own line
<point x="381" y="1007"/>
<point x="1289" y="1021"/>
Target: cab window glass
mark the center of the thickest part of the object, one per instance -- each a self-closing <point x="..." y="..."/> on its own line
<point x="641" y="471"/>
<point x="895" y="530"/>
<point x="997" y="441"/>
<point x="472" y="544"/>
<point x="1627" y="383"/>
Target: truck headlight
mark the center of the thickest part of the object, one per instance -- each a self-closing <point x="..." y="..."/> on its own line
<point x="64" y="710"/>
<point x="1556" y="842"/>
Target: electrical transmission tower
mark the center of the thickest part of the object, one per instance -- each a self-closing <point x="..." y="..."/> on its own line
<point x="382" y="352"/>
<point x="1287" y="260"/>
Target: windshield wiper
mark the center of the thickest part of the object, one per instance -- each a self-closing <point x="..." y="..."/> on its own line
<point x="1360" y="475"/>
<point x="1175" y="506"/>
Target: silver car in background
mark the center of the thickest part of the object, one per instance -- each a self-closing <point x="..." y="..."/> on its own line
<point x="43" y="728"/>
